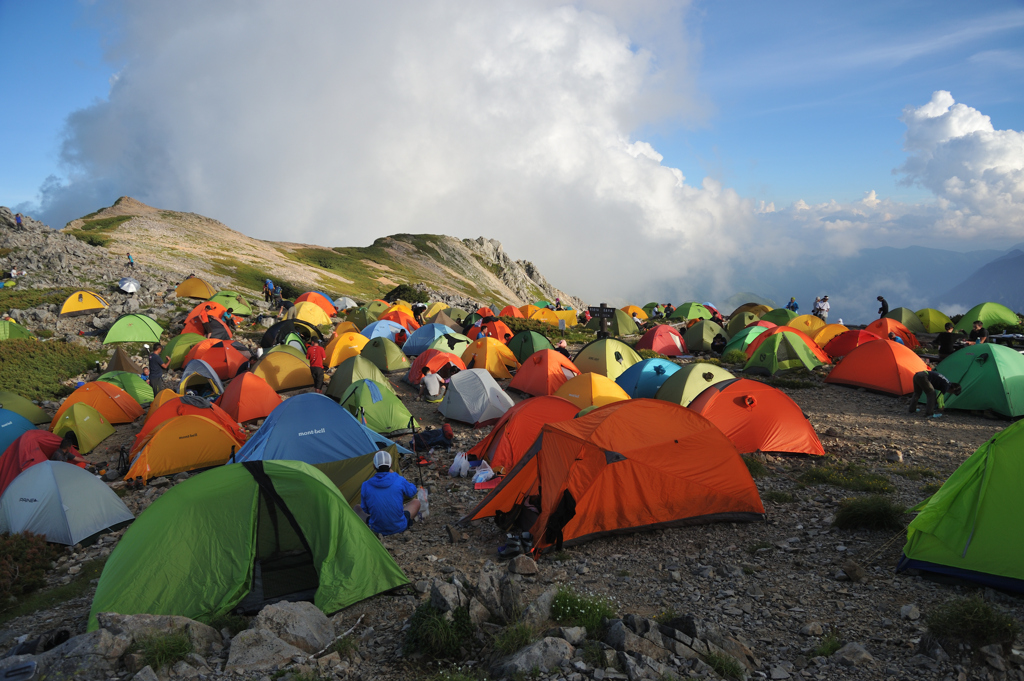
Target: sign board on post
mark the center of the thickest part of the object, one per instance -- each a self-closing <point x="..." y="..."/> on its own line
<point x="602" y="312"/>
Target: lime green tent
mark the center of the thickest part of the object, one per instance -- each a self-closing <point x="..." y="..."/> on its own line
<point x="361" y="317"/>
<point x="991" y="376"/>
<point x="933" y="320"/>
<point x="296" y="341"/>
<point x="88" y="425"/>
<point x="988" y="314"/>
<point x="525" y="343"/>
<point x="683" y="386"/>
<point x="744" y="338"/>
<point x="699" y="336"/>
<point x="23" y="407"/>
<point x="242" y="535"/>
<point x="454" y="343"/>
<point x="691" y="311"/>
<point x="386" y="355"/>
<point x="970" y="528"/>
<point x="909" y="319"/>
<point x="619" y="325"/>
<point x="131" y="384"/>
<point x="290" y="349"/>
<point x="606" y="356"/>
<point x="781" y="352"/>
<point x="453" y="313"/>
<point x="779" y="315"/>
<point x="178" y="347"/>
<point x="12" y="330"/>
<point x="351" y="370"/>
<point x="377" y="307"/>
<point x="233" y="300"/>
<point x="377" y="407"/>
<point x="739" y="322"/>
<point x="134" y="328"/>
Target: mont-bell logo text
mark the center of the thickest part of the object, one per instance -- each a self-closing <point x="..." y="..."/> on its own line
<point x="185" y="437"/>
<point x="318" y="431"/>
<point x="29" y="501"/>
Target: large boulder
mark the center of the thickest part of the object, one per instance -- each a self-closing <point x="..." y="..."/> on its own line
<point x="259" y="650"/>
<point x="301" y="624"/>
<point x="205" y="639"/>
<point x="546" y="654"/>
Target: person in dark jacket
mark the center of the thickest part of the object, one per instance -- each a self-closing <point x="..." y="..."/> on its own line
<point x="931" y="384"/>
<point x="157" y="364"/>
<point x="383" y="498"/>
<point x="563" y="348"/>
<point x="946" y="341"/>
<point x="884" y="308"/>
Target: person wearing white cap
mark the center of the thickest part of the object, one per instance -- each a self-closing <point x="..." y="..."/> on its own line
<point x="383" y="498"/>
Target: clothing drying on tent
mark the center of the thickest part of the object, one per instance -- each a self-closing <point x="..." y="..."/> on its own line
<point x="184" y="405"/>
<point x="248" y="398"/>
<point x="200" y="378"/>
<point x="605" y="356"/>
<point x="970" y="528"/>
<point x="194" y="287"/>
<point x="645" y="378"/>
<point x="30" y="448"/>
<point x="420" y="340"/>
<point x="988" y="314"/>
<point x="131" y="383"/>
<point x="591" y="390"/>
<point x="232" y="300"/>
<point x="474" y="397"/>
<point x="439" y="362"/>
<point x="116" y="405"/>
<point x="543" y="372"/>
<point x="378" y="408"/>
<point x="491" y="355"/>
<point x="631" y="466"/>
<point x="880" y="365"/>
<point x="88" y="425"/>
<point x="663" y="339"/>
<point x="12" y="426"/>
<point x="283" y="371"/>
<point x="455" y="343"/>
<point x="178" y="348"/>
<point x="525" y="343"/>
<point x="20" y="405"/>
<point x="62" y="502"/>
<point x="772" y="353"/>
<point x="884" y="326"/>
<point x="698" y="338"/>
<point x="82" y="302"/>
<point x="991" y="377"/>
<point x="683" y="386"/>
<point x="240" y="537"/>
<point x="758" y="418"/>
<point x="313" y="428"/>
<point x="517" y="430"/>
<point x="387" y="356"/>
<point x="161" y="453"/>
<point x="134" y="328"/>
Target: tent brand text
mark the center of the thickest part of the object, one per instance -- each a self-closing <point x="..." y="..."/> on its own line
<point x="314" y="432"/>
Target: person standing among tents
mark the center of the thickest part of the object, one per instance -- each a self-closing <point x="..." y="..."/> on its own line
<point x="316" y="356"/>
<point x="884" y="308"/>
<point x="157" y="364"/>
<point x="946" y="341"/>
<point x="278" y="292"/>
<point x="268" y="289"/>
<point x="793" y="306"/>
<point x="823" y="308"/>
<point x="383" y="499"/>
<point x="931" y="384"/>
<point x="979" y="334"/>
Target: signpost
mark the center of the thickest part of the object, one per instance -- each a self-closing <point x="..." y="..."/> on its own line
<point x="604" y="313"/>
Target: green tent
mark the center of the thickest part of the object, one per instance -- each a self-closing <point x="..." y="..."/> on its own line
<point x="453" y="313"/>
<point x="781" y="352"/>
<point x="541" y="303"/>
<point x="699" y="336"/>
<point x="744" y="338"/>
<point x="649" y="308"/>
<point x="908" y="318"/>
<point x="620" y="325"/>
<point x="691" y="311"/>
<point x="134" y="328"/>
<point x="290" y="349"/>
<point x="988" y="314"/>
<point x="970" y="528"/>
<point x="779" y="315"/>
<point x="525" y="343"/>
<point x="23" y="407"/>
<point x="178" y="347"/>
<point x="131" y="384"/>
<point x="377" y="308"/>
<point x="933" y="320"/>
<point x="351" y="370"/>
<point x="454" y="343"/>
<point x="377" y="407"/>
<point x="361" y="317"/>
<point x="12" y="330"/>
<point x="606" y="356"/>
<point x="88" y="425"/>
<point x="991" y="376"/>
<point x="296" y="341"/>
<point x="739" y="322"/>
<point x="386" y="355"/>
<point x="683" y="386"/>
<point x="233" y="300"/>
<point x="470" y="320"/>
<point x="242" y="535"/>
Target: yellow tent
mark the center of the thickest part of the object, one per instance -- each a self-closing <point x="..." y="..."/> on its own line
<point x="194" y="287"/>
<point x="490" y="354"/>
<point x="433" y="309"/>
<point x="545" y="315"/>
<point x="528" y="310"/>
<point x="309" y="312"/>
<point x="591" y="390"/>
<point x="343" y="346"/>
<point x="162" y="453"/>
<point x="283" y="371"/>
<point x="827" y="333"/>
<point x="569" y="316"/>
<point x="399" y="308"/>
<point x="630" y="309"/>
<point x="807" y="323"/>
<point x="82" y="302"/>
<point x="345" y="327"/>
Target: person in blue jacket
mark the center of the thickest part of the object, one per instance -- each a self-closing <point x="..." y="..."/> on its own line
<point x="384" y="498"/>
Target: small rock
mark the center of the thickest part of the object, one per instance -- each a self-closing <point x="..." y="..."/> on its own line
<point x="812" y="629"/>
<point x="910" y="612"/>
<point x="895" y="456"/>
<point x="522" y="565"/>
<point x="993" y="655"/>
<point x="855" y="572"/>
<point x="779" y="673"/>
<point x="852" y="655"/>
<point x="146" y="674"/>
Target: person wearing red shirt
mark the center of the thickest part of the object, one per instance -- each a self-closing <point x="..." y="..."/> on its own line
<point x="316" y="357"/>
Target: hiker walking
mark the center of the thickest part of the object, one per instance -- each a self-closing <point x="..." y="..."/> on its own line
<point x="883" y="309"/>
<point x="17" y="220"/>
<point x="157" y="364"/>
<point x="316" y="356"/>
<point x="824" y="308"/>
<point x="931" y="384"/>
<point x="268" y="289"/>
<point x="131" y="261"/>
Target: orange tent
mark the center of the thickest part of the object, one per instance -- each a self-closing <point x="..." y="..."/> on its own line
<point x="182" y="405"/>
<point x="247" y="398"/>
<point x="197" y="350"/>
<point x="492" y="355"/>
<point x="528" y="310"/>
<point x="194" y="320"/>
<point x="882" y="327"/>
<point x="162" y="454"/>
<point x="320" y="301"/>
<point x="159" y="400"/>
<point x="343" y="346"/>
<point x="509" y="311"/>
<point x="345" y="327"/>
<point x="818" y="352"/>
<point x="757" y="417"/>
<point x="485" y="312"/>
<point x="826" y="333"/>
<point x="495" y="329"/>
<point x="402" y="318"/>
<point x="635" y="465"/>
<point x="224" y="359"/>
<point x="517" y="430"/>
<point x="844" y="343"/>
<point x="880" y="365"/>
<point x="591" y="390"/>
<point x="544" y="372"/>
<point x="663" y="339"/>
<point x="436" y="360"/>
<point x="111" y="402"/>
<point x="640" y="312"/>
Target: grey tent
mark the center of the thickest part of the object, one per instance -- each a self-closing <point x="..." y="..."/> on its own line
<point x="473" y="396"/>
<point x="345" y="303"/>
<point x="197" y="374"/>
<point x="61" y="501"/>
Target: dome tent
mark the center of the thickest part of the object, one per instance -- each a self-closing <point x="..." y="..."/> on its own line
<point x="663" y="339"/>
<point x="210" y="444"/>
<point x="88" y="425"/>
<point x="514" y="432"/>
<point x="474" y="397"/>
<point x="683" y="386"/>
<point x="12" y="426"/>
<point x="591" y="390"/>
<point x="643" y="379"/>
<point x="525" y="343"/>
<point x="248" y="397"/>
<point x="880" y="365"/>
<point x="194" y="287"/>
<point x="991" y="377"/>
<point x="116" y="405"/>
<point x="134" y="328"/>
<point x="909" y="319"/>
<point x="351" y="370"/>
<point x="378" y="408"/>
<point x="988" y="314"/>
<point x="543" y="372"/>
<point x="20" y="405"/>
<point x="605" y="356"/>
<point x="82" y="302"/>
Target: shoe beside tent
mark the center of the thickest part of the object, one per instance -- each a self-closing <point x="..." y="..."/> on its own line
<point x="82" y="302"/>
<point x="240" y="537"/>
<point x="543" y="372"/>
<point x="518" y="429"/>
<point x="134" y="328"/>
<point x="23" y="406"/>
<point x="880" y="365"/>
<point x="474" y="397"/>
<point x="608" y="357"/>
<point x="248" y="398"/>
<point x="88" y="425"/>
<point x="62" y="502"/>
<point x="683" y="386"/>
<point x="12" y="426"/>
<point x="194" y="287"/>
<point x="991" y="377"/>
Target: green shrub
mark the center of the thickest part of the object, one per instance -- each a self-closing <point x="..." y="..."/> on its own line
<point x="96" y="232"/>
<point x="36" y="370"/>
<point x="27" y="298"/>
<point x="850" y="477"/>
<point x="735" y="357"/>
<point x="80" y="585"/>
<point x="914" y="472"/>
<point x="24" y="560"/>
<point x="4" y="252"/>
<point x="666" y="616"/>
<point x="711" y="360"/>
<point x="163" y="651"/>
<point x="513" y="637"/>
<point x="756" y="468"/>
<point x="434" y="636"/>
<point x="651" y="354"/>
<point x="780" y="497"/>
<point x="44" y="333"/>
<point x="345" y="647"/>
<point x="231" y="622"/>
<point x="725" y="665"/>
<point x="972" y="620"/>
<point x="576" y="610"/>
<point x="406" y="293"/>
<point x="828" y="646"/>
<point x="869" y="513"/>
<point x="575" y="334"/>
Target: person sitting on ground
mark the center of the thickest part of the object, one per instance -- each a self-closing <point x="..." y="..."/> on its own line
<point x="895" y="339"/>
<point x="562" y="348"/>
<point x="558" y="305"/>
<point x="946" y="341"/>
<point x="656" y="313"/>
<point x="793" y="306"/>
<point x="65" y="451"/>
<point x="718" y="343"/>
<point x="979" y="334"/>
<point x="431" y="384"/>
<point x="883" y="308"/>
<point x="640" y="325"/>
<point x="229" y="318"/>
<point x="383" y="499"/>
<point x="931" y="384"/>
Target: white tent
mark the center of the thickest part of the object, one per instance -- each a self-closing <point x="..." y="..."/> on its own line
<point x="473" y="396"/>
<point x="61" y="501"/>
<point x="345" y="303"/>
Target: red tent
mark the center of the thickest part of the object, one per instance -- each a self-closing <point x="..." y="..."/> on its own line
<point x="222" y="358"/>
<point x="436" y="360"/>
<point x="31" y="447"/>
<point x="844" y="343"/>
<point x="248" y="397"/>
<point x="518" y="428"/>
<point x="181" y="406"/>
<point x="544" y="372"/>
<point x="663" y="339"/>
<point x="880" y="365"/>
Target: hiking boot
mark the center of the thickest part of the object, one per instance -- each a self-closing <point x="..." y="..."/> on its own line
<point x="139" y="482"/>
<point x="936" y="416"/>
<point x="130" y="483"/>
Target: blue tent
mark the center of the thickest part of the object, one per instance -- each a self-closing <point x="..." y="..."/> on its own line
<point x="311" y="428"/>
<point x="12" y="425"/>
<point x="420" y="339"/>
<point x="644" y="378"/>
<point x="384" y="328"/>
